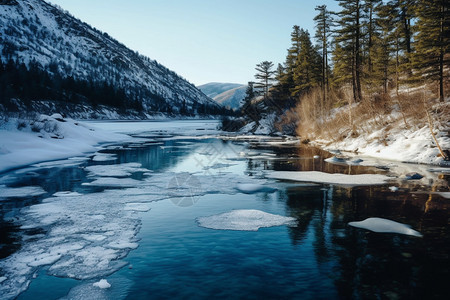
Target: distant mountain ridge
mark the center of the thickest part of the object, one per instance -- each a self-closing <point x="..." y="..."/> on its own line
<point x="42" y="36"/>
<point x="227" y="94"/>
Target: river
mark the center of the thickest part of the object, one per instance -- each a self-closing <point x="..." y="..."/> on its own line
<point x="183" y="211"/>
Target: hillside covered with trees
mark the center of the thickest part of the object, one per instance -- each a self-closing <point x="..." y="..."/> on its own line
<point x="372" y="65"/>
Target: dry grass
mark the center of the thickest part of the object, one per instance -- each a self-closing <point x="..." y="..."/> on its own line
<point x="340" y="118"/>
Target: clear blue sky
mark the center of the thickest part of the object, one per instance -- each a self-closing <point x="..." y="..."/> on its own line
<point x="202" y="40"/>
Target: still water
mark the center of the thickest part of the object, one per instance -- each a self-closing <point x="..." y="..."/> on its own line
<point x="139" y="202"/>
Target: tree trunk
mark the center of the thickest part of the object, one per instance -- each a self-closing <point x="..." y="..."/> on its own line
<point x="358" y="54"/>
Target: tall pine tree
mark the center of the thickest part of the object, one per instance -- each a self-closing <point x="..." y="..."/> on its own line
<point x="433" y="42"/>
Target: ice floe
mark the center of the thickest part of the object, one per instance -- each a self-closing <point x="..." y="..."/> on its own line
<point x="252" y="188"/>
<point x="111" y="182"/>
<point x="19" y="192"/>
<point x="327" y="178"/>
<point x="103" y="284"/>
<point x="244" y="219"/>
<point x="66" y="194"/>
<point x="119" y="170"/>
<point x="385" y="226"/>
<point x="104" y="157"/>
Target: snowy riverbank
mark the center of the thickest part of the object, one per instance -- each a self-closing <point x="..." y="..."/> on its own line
<point x="25" y="142"/>
<point x="414" y="145"/>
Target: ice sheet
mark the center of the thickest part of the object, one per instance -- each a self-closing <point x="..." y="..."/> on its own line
<point x="385" y="226"/>
<point x="104" y="157"/>
<point x="19" y="192"/>
<point x="119" y="170"/>
<point x="113" y="182"/>
<point x="244" y="219"/>
<point x="337" y="179"/>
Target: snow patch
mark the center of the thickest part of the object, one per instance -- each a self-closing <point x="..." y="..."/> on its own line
<point x="103" y="284"/>
<point x="337" y="179"/>
<point x="244" y="219"/>
<point x="19" y="192"/>
<point x="385" y="226"/>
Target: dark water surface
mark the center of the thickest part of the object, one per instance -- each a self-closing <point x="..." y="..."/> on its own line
<point x="321" y="257"/>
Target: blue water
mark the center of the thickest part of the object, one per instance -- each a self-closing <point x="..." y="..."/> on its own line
<point x="319" y="258"/>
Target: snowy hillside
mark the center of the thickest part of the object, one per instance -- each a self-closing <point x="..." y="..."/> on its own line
<point x="36" y="33"/>
<point x="226" y="94"/>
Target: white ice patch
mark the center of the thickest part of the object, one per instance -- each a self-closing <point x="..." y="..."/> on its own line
<point x="244" y="219"/>
<point x="113" y="182"/>
<point x="66" y="194"/>
<point x="120" y="170"/>
<point x="26" y="191"/>
<point x="337" y="179"/>
<point x="103" y="284"/>
<point x="143" y="207"/>
<point x="385" y="226"/>
<point x="252" y="188"/>
<point x="104" y="157"/>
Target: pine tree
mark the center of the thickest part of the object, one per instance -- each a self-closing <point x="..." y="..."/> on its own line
<point x="385" y="50"/>
<point x="323" y="23"/>
<point x="265" y="76"/>
<point x="433" y="41"/>
<point x="348" y="38"/>
<point x="308" y="66"/>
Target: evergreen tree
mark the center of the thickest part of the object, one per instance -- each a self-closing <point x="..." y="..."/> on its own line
<point x="323" y="23"/>
<point x="308" y="66"/>
<point x="348" y="40"/>
<point x="385" y="47"/>
<point x="265" y="76"/>
<point x="433" y="41"/>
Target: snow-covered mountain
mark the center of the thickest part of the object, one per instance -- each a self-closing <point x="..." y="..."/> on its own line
<point x="37" y="33"/>
<point x="226" y="94"/>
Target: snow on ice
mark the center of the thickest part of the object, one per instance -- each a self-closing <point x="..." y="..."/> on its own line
<point x="244" y="219"/>
<point x="103" y="284"/>
<point x="385" y="226"/>
<point x="337" y="179"/>
<point x="17" y="192"/>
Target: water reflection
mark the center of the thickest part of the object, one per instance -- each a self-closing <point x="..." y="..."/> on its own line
<point x="359" y="264"/>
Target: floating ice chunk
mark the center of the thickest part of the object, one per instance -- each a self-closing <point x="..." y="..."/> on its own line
<point x="113" y="182"/>
<point x="93" y="237"/>
<point x="74" y="161"/>
<point x="120" y="170"/>
<point x="66" y="194"/>
<point x="44" y="260"/>
<point x="244" y="219"/>
<point x="122" y="245"/>
<point x="252" y="188"/>
<point x="316" y="156"/>
<point x="393" y="189"/>
<point x="385" y="226"/>
<point x="337" y="179"/>
<point x="103" y="284"/>
<point x="26" y="191"/>
<point x="137" y="207"/>
<point x="104" y="157"/>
